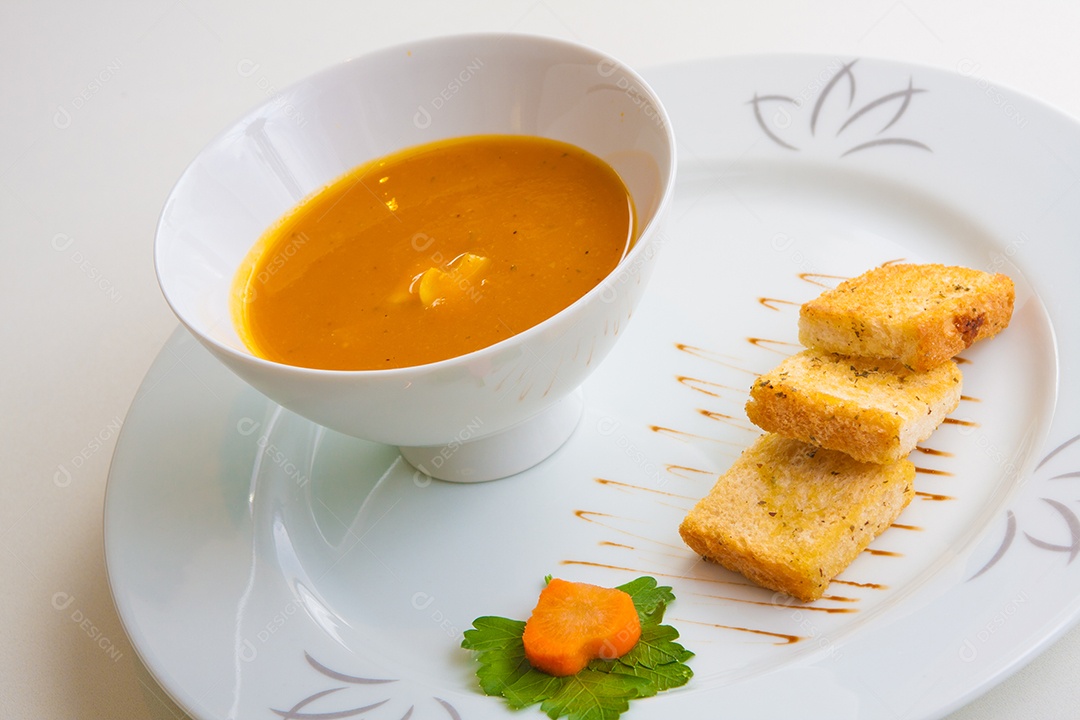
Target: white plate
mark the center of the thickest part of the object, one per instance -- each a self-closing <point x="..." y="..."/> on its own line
<point x="265" y="567"/>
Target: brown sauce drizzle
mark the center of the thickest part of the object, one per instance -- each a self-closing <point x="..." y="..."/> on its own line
<point x="608" y="543"/>
<point x="605" y="481"/>
<point x="715" y="581"/>
<point x="933" y="496"/>
<point x="684" y="435"/>
<point x="672" y="431"/>
<point x="809" y="277"/>
<point x="766" y="344"/>
<point x="901" y="526"/>
<point x="727" y="419"/>
<point x="965" y="423"/>
<point x="591" y="516"/>
<point x="787" y="639"/>
<point x="871" y="586"/>
<point x="768" y="302"/>
<point x="767" y="603"/>
<point x="713" y="357"/>
<point x="703" y="386"/>
<point x="883" y="553"/>
<point x="970" y="398"/>
<point x="713" y="415"/>
<point x="932" y="451"/>
<point x="683" y="471"/>
<point x="931" y="471"/>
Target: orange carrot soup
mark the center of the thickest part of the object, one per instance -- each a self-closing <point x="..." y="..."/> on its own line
<point x="433" y="252"/>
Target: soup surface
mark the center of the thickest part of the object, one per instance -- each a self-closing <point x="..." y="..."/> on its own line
<point x="433" y="252"/>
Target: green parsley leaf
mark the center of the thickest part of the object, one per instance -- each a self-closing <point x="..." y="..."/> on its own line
<point x="531" y="687"/>
<point x="656" y="657"/>
<point x="656" y="647"/>
<point x="592" y="695"/>
<point x="502" y="654"/>
<point x="648" y="597"/>
<point x="603" y="690"/>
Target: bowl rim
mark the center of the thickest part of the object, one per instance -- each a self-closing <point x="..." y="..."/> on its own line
<point x="638" y="249"/>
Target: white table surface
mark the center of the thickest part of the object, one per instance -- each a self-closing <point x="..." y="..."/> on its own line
<point x="104" y="104"/>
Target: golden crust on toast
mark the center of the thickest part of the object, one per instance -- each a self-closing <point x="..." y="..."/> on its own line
<point x="790" y="516"/>
<point x="921" y="315"/>
<point x="873" y="410"/>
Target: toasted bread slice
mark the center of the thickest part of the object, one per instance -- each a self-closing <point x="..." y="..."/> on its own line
<point x="790" y="516"/>
<point x="921" y="315"/>
<point x="873" y="410"/>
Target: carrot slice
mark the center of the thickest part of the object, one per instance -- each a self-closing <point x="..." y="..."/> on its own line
<point x="574" y="623"/>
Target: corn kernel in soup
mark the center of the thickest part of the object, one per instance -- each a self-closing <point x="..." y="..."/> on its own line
<point x="433" y="252"/>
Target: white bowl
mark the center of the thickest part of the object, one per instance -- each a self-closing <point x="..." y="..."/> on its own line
<point x="492" y="412"/>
